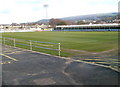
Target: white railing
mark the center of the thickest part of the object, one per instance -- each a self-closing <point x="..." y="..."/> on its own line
<point x="30" y="44"/>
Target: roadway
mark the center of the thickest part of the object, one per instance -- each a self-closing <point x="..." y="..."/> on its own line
<point x="23" y="67"/>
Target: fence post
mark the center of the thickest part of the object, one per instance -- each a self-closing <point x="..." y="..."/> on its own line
<point x="14" y="43"/>
<point x="59" y="49"/>
<point x="30" y="45"/>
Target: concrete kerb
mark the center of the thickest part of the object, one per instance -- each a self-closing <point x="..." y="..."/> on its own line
<point x="68" y="58"/>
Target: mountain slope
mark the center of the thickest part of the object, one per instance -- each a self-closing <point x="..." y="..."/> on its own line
<point x="85" y="17"/>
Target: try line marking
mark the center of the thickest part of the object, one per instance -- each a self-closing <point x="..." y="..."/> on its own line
<point x="9" y="57"/>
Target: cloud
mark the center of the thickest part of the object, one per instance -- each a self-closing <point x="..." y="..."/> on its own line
<point x="28" y="1"/>
<point x="33" y="10"/>
<point x="5" y="11"/>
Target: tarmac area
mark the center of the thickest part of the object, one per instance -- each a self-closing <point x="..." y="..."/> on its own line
<point x="23" y="67"/>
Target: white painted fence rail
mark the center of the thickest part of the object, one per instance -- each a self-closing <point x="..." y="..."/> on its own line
<point x="31" y="43"/>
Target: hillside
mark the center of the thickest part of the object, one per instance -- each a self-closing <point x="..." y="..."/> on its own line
<point x="91" y="17"/>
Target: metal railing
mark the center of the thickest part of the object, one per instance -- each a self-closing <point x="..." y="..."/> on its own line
<point x="32" y="44"/>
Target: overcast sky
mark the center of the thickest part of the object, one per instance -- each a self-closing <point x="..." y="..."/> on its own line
<point x="18" y="11"/>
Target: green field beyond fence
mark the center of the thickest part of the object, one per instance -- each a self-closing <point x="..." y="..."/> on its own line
<point x="46" y="47"/>
<point x="87" y="41"/>
<point x="74" y="44"/>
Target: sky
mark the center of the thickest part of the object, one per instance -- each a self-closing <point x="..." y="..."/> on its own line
<point x="22" y="11"/>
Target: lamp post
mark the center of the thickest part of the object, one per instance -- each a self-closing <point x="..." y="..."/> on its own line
<point x="46" y="6"/>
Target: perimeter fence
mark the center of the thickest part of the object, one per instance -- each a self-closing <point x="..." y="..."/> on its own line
<point x="45" y="47"/>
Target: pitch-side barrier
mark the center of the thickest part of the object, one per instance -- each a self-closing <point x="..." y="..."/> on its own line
<point x="30" y="44"/>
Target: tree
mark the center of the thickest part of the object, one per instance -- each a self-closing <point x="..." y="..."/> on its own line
<point x="62" y="23"/>
<point x="81" y="22"/>
<point x="53" y="22"/>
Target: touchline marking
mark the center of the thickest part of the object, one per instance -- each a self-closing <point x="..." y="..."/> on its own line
<point x="9" y="57"/>
<point x="9" y="50"/>
<point x="8" y="62"/>
<point x="14" y="52"/>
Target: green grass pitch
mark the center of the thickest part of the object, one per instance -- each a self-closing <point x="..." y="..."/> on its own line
<point x="72" y="41"/>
